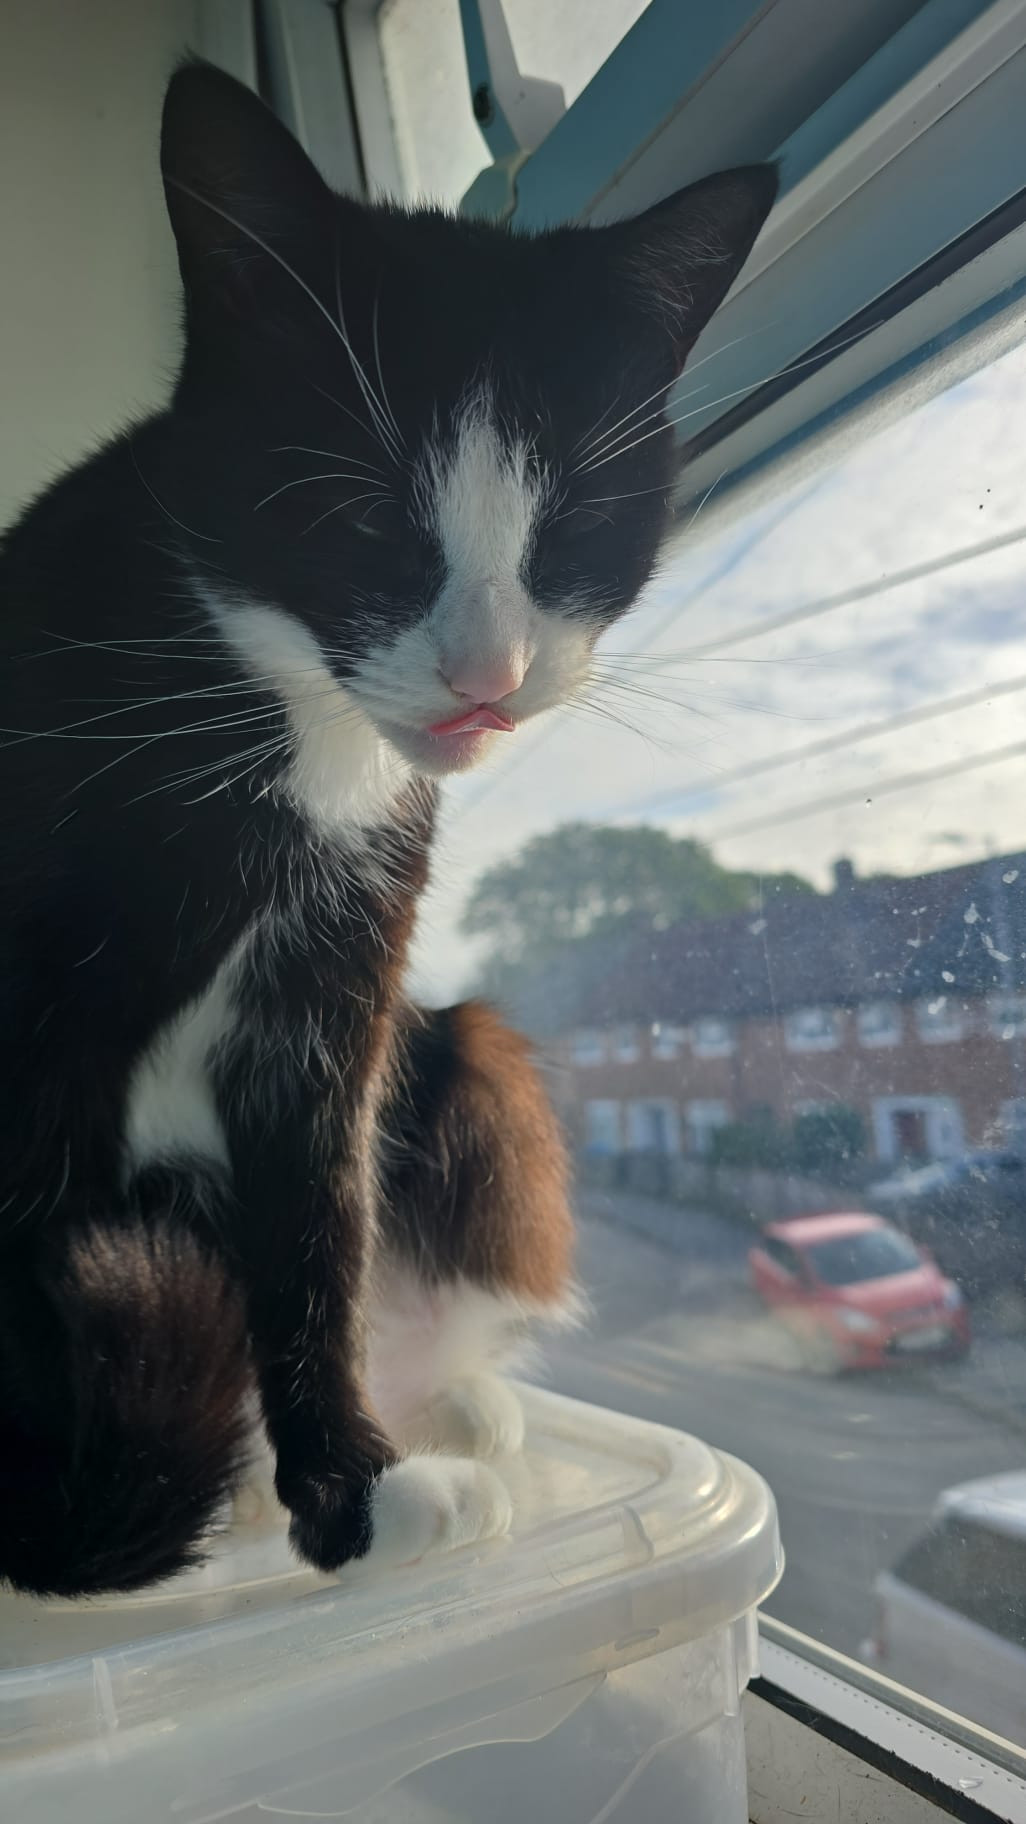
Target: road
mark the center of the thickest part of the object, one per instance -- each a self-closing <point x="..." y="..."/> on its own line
<point x="855" y="1463"/>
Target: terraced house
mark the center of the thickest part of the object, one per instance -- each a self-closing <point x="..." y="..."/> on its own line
<point x="903" y="999"/>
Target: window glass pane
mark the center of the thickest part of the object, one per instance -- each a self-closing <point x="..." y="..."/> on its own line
<point x="440" y="147"/>
<point x="839" y="951"/>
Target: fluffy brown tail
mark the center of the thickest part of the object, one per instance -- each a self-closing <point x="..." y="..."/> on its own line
<point x="123" y="1376"/>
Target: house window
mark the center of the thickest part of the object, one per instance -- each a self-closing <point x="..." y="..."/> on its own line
<point x="626" y="1044"/>
<point x="1006" y="1015"/>
<point x="653" y="1126"/>
<point x="812" y="1029"/>
<point x="703" y="1118"/>
<point x="879" y="1023"/>
<point x="917" y="1128"/>
<point x="712" y="1037"/>
<point x="939" y="1020"/>
<point x="602" y="1127"/>
<point x="1013" y="1121"/>
<point x="589" y="1047"/>
<point x="667" y="1041"/>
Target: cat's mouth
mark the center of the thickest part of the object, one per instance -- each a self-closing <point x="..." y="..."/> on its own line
<point x="473" y="721"/>
<point x="450" y="746"/>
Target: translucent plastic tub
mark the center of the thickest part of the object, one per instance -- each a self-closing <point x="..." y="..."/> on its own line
<point x="588" y="1668"/>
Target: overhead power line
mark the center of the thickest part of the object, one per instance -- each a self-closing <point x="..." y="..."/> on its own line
<point x="793" y="617"/>
<point x="868" y="794"/>
<point x="673" y="802"/>
<point x="861" y="592"/>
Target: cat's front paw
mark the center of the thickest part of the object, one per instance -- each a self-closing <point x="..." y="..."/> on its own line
<point x="421" y="1505"/>
<point x="435" y="1504"/>
<point x="477" y="1416"/>
<point x="331" y="1518"/>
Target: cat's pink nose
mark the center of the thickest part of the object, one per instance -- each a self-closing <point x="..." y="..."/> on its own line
<point x="485" y="682"/>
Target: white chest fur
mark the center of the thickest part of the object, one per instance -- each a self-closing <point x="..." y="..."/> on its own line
<point x="172" y="1108"/>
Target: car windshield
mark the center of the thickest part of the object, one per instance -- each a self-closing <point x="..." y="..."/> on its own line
<point x="869" y="1254"/>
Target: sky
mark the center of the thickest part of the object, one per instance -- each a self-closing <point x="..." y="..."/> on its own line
<point x="949" y="476"/>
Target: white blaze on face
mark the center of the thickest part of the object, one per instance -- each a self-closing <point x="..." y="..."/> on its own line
<point x="485" y="498"/>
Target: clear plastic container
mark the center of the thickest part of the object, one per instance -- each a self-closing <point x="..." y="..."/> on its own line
<point x="588" y="1668"/>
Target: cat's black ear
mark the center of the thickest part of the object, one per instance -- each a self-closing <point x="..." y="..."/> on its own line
<point x="241" y="193"/>
<point x="683" y="255"/>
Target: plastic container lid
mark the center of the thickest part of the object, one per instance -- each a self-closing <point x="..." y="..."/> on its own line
<point x="629" y="1538"/>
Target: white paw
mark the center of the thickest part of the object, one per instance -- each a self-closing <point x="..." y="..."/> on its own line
<point x="433" y="1504"/>
<point x="478" y="1416"/>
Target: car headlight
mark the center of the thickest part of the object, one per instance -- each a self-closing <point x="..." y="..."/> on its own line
<point x="952" y="1300"/>
<point x="857" y="1322"/>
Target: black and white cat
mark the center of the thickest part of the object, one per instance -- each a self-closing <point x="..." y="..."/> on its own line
<point x="412" y="468"/>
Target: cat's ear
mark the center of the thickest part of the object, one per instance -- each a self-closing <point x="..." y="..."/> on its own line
<point x="683" y="255"/>
<point x="241" y="193"/>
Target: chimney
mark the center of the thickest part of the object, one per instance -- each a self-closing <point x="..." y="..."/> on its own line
<point x="844" y="875"/>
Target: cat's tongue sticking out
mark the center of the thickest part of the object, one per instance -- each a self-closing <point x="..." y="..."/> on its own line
<point x="475" y="721"/>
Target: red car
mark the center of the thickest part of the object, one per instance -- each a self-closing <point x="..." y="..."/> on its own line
<point x="856" y="1293"/>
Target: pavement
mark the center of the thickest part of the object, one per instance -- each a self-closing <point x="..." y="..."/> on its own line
<point x="856" y="1462"/>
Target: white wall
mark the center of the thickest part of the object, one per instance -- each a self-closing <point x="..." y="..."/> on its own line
<point x="89" y="285"/>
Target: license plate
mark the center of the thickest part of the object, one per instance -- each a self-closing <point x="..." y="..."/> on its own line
<point x="933" y="1338"/>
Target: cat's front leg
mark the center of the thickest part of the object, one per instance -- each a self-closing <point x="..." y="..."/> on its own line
<point x="303" y="1225"/>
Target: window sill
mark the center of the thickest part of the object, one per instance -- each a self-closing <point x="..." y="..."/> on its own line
<point x="825" y="1738"/>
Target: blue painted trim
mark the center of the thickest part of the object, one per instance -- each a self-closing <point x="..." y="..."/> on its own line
<point x="879" y="79"/>
<point x="877" y="383"/>
<point x="495" y="129"/>
<point x="663" y="55"/>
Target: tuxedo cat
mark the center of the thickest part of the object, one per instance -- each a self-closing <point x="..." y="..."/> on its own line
<point x="412" y="468"/>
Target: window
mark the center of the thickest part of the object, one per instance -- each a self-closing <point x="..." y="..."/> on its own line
<point x="712" y="1037"/>
<point x="602" y="1127"/>
<point x="831" y="664"/>
<point x="653" y="1126"/>
<point x="782" y="1256"/>
<point x="870" y="1254"/>
<point x="589" y="1047"/>
<point x="1006" y="1015"/>
<point x="667" y="1041"/>
<point x="703" y="1119"/>
<point x="915" y="1128"/>
<point x="812" y="1029"/>
<point x="626" y="1044"/>
<point x="939" y="1020"/>
<point x="977" y="1570"/>
<point x="879" y="1023"/>
<point x="764" y="795"/>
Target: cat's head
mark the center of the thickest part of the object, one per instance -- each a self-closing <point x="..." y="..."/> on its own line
<point x="438" y="446"/>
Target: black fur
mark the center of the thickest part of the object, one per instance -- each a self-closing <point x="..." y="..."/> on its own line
<point x="143" y="831"/>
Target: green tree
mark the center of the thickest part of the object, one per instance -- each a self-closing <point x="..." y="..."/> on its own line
<point x="589" y="881"/>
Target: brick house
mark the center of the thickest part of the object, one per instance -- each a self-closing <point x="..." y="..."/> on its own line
<point x="904" y="999"/>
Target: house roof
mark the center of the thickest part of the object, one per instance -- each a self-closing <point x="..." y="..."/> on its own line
<point x="958" y="932"/>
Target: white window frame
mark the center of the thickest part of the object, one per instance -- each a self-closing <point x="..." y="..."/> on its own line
<point x="667" y="1042"/>
<point x="943" y="1125"/>
<point x="798" y="1039"/>
<point x="612" y="1116"/>
<point x="860" y="1749"/>
<point x="1005" y="1029"/>
<point x="589" y="1047"/>
<point x="879" y="1037"/>
<point x="948" y="1030"/>
<point x="705" y="1047"/>
<point x="702" y="1117"/>
<point x="637" y="1116"/>
<point x="625" y="1044"/>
